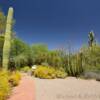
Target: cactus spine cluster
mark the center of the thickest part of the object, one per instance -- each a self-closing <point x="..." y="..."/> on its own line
<point x="7" y="42"/>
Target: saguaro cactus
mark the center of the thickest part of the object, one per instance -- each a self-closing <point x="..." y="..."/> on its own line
<point x="91" y="39"/>
<point x="7" y="42"/>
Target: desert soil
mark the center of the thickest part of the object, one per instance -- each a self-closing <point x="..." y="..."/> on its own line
<point x="67" y="89"/>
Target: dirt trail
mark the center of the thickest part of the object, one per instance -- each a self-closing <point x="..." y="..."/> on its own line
<point x="25" y="90"/>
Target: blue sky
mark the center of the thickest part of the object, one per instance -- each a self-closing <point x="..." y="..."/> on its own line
<point x="55" y="22"/>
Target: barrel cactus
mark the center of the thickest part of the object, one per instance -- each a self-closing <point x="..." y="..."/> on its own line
<point x="7" y="41"/>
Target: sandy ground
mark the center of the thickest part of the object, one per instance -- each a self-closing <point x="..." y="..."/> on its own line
<point x="67" y="89"/>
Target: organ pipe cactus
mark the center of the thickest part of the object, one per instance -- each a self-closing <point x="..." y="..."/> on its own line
<point x="7" y="42"/>
<point x="75" y="67"/>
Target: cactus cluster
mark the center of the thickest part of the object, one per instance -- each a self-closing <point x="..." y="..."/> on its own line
<point x="75" y="67"/>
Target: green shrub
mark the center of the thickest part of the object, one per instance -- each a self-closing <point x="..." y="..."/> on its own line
<point x="26" y="69"/>
<point x="91" y="58"/>
<point x="44" y="64"/>
<point x="14" y="78"/>
<point x="60" y="74"/>
<point x="4" y="85"/>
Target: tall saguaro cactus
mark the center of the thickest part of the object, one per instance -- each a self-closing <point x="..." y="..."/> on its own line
<point x="7" y="42"/>
<point x="91" y="39"/>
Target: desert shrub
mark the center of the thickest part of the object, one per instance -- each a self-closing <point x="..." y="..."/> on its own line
<point x="91" y="75"/>
<point x="91" y="58"/>
<point x="4" y="85"/>
<point x="14" y="78"/>
<point x="98" y="78"/>
<point x="44" y="64"/>
<point x="61" y="74"/>
<point x="45" y="72"/>
<point x="7" y="80"/>
<point x="54" y="59"/>
<point x="39" y="52"/>
<point x="26" y="69"/>
<point x="49" y="73"/>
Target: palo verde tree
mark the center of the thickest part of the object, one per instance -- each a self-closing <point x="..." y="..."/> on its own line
<point x="7" y="41"/>
<point x="2" y="22"/>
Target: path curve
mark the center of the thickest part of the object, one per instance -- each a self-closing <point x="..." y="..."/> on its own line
<point x="25" y="90"/>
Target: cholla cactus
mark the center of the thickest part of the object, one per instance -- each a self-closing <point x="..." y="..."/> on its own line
<point x="7" y="42"/>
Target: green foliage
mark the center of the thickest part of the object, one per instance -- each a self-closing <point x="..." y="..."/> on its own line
<point x="7" y="42"/>
<point x="26" y="69"/>
<point x="20" y="54"/>
<point x="39" y="52"/>
<point x="41" y="55"/>
<point x="54" y="59"/>
<point x="18" y="47"/>
<point x="49" y="73"/>
<point x="2" y="22"/>
<point x="44" y="64"/>
<point x="1" y="48"/>
<point x="91" y="58"/>
<point x="63" y="54"/>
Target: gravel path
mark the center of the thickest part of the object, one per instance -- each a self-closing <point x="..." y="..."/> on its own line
<point x="25" y="90"/>
<point x="67" y="89"/>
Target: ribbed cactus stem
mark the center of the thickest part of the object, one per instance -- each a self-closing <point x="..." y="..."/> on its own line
<point x="7" y="42"/>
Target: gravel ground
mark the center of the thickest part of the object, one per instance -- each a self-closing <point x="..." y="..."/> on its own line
<point x="67" y="89"/>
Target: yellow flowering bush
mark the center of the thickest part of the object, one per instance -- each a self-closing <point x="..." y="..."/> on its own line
<point x="4" y="85"/>
<point x="15" y="78"/>
<point x="45" y="72"/>
<point x="48" y="73"/>
<point x="61" y="74"/>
